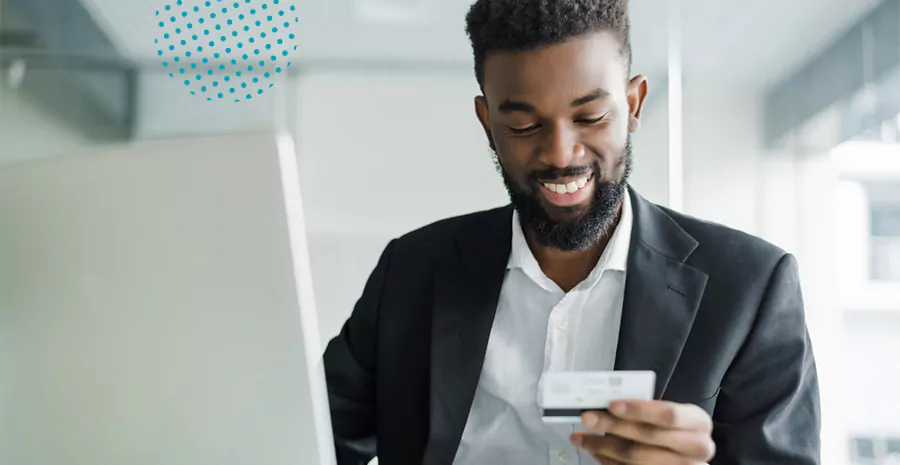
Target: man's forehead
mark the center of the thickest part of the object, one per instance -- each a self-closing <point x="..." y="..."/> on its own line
<point x="580" y="64"/>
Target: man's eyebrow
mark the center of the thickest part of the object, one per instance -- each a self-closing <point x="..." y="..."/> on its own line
<point x="509" y="106"/>
<point x="595" y="95"/>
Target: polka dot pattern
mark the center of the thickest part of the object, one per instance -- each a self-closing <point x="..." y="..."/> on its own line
<point x="247" y="28"/>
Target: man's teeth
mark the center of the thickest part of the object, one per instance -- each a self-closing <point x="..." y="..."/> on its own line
<point x="569" y="188"/>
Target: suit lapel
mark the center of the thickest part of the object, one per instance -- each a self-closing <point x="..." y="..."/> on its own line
<point x="467" y="289"/>
<point x="662" y="294"/>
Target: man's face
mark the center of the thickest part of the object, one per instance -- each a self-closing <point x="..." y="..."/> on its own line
<point x="559" y="119"/>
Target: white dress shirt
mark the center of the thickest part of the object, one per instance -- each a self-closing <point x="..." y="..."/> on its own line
<point x="539" y="328"/>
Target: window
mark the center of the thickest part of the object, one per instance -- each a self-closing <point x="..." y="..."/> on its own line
<point x="864" y="450"/>
<point x="893" y="448"/>
<point x="884" y="252"/>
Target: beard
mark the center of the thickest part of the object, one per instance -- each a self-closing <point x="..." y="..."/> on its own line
<point x="580" y="232"/>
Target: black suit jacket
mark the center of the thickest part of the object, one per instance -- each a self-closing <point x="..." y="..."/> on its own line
<point x="717" y="314"/>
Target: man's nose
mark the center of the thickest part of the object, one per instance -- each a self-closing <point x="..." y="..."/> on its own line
<point x="562" y="148"/>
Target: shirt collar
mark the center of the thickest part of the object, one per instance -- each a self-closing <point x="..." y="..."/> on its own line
<point x="614" y="257"/>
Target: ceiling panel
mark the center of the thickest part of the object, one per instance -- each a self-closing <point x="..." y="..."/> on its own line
<point x="757" y="43"/>
<point x="395" y="12"/>
<point x="747" y="45"/>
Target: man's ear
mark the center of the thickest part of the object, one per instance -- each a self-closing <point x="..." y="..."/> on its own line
<point x="637" y="95"/>
<point x="484" y="116"/>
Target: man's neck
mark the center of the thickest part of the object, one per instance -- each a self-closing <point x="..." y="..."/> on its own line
<point x="567" y="269"/>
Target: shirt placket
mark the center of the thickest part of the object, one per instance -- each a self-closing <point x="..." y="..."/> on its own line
<point x="566" y="456"/>
<point x="556" y="347"/>
<point x="558" y="356"/>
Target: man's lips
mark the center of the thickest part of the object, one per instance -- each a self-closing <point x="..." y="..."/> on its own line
<point x="568" y="191"/>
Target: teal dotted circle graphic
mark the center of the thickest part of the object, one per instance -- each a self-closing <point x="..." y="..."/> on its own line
<point x="226" y="40"/>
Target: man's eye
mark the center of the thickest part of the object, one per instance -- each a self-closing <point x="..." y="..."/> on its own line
<point x="525" y="130"/>
<point x="590" y="120"/>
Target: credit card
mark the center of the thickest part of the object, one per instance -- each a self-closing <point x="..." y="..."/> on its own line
<point x="565" y="396"/>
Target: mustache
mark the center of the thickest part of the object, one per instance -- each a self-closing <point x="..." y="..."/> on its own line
<point x="556" y="173"/>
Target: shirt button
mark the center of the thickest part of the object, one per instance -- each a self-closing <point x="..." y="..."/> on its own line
<point x="563" y="457"/>
<point x="562" y="325"/>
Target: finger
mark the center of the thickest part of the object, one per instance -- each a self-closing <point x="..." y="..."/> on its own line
<point x="663" y="414"/>
<point x="685" y="442"/>
<point x="604" y="461"/>
<point x="611" y="449"/>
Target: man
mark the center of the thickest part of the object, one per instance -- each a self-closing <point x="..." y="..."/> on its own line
<point x="441" y="359"/>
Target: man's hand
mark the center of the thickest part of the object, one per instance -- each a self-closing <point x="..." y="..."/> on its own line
<point x="648" y="432"/>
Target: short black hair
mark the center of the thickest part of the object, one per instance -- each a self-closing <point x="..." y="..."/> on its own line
<point x="516" y="25"/>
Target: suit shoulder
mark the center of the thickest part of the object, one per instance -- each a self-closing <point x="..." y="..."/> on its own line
<point x="721" y="245"/>
<point x="442" y="234"/>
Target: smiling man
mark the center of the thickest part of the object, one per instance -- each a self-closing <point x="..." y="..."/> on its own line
<point x="441" y="360"/>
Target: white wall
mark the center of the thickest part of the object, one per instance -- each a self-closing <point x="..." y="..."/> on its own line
<point x="393" y="151"/>
<point x="722" y="150"/>
<point x="651" y="148"/>
<point x="149" y="310"/>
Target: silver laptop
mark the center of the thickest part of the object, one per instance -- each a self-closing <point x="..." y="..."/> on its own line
<point x="156" y="308"/>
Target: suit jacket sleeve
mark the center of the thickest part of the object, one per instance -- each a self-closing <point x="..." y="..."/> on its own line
<point x="350" y="364"/>
<point x="768" y="407"/>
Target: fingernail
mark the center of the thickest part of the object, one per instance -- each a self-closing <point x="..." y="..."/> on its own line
<point x="576" y="440"/>
<point x="618" y="408"/>
<point x="590" y="420"/>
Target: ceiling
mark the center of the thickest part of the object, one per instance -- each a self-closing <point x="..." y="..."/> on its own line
<point x="736" y="45"/>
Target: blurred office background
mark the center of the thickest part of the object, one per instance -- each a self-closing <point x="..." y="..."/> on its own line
<point x="780" y="118"/>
